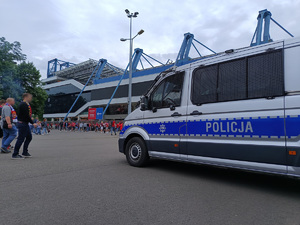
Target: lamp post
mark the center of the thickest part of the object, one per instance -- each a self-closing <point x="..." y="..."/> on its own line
<point x="130" y="16"/>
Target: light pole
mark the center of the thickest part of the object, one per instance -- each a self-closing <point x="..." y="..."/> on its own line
<point x="130" y="16"/>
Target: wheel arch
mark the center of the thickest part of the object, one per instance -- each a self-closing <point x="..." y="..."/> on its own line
<point x="130" y="137"/>
<point x="136" y="132"/>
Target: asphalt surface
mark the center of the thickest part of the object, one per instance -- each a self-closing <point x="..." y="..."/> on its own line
<point x="81" y="178"/>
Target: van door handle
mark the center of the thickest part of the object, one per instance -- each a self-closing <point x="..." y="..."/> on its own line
<point x="176" y="114"/>
<point x="196" y="113"/>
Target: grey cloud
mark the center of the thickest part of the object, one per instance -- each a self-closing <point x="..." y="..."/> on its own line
<point x="77" y="31"/>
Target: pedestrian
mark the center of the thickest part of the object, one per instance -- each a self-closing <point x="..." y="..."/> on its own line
<point x="113" y="126"/>
<point x="81" y="126"/>
<point x="35" y="120"/>
<point x="85" y="126"/>
<point x="44" y="127"/>
<point x="8" y="117"/>
<point x="32" y="129"/>
<point x="25" y="136"/>
<point x="2" y="103"/>
<point x="106" y="127"/>
<point x="120" y="126"/>
<point x="101" y="127"/>
<point x="38" y="128"/>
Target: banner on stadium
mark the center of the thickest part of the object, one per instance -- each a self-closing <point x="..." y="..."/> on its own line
<point x="92" y="113"/>
<point x="99" y="113"/>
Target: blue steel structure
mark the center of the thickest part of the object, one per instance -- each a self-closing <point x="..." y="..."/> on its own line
<point x="103" y="64"/>
<point x="263" y="28"/>
<point x="136" y="58"/>
<point x="262" y="31"/>
<point x="55" y="65"/>
<point x="187" y="43"/>
<point x="182" y="58"/>
<point x="138" y="55"/>
<point x="98" y="67"/>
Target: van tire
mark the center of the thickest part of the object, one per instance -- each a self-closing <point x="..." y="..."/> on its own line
<point x="136" y="152"/>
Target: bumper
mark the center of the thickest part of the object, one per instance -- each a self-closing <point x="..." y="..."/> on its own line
<point x="121" y="145"/>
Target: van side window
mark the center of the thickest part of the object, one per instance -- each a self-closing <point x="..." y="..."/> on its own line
<point x="257" y="76"/>
<point x="265" y="75"/>
<point x="168" y="92"/>
<point x="205" y="84"/>
<point x="232" y="80"/>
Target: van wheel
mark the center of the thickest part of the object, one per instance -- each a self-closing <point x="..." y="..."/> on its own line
<point x="136" y="152"/>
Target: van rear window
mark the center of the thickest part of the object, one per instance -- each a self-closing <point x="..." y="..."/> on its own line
<point x="258" y="76"/>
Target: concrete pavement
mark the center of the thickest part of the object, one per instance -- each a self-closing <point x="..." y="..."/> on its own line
<point x="81" y="178"/>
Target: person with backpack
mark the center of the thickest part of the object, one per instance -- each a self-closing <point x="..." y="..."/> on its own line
<point x="8" y="119"/>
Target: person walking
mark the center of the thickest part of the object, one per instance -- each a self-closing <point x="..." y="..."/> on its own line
<point x="61" y="125"/>
<point x="81" y="126"/>
<point x="2" y="103"/>
<point x="36" y="120"/>
<point x="44" y="127"/>
<point x="24" y="118"/>
<point x="8" y="116"/>
<point x="113" y="126"/>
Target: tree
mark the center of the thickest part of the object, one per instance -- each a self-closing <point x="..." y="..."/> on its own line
<point x="29" y="77"/>
<point x="10" y="54"/>
<point x="11" y="86"/>
<point x="18" y="77"/>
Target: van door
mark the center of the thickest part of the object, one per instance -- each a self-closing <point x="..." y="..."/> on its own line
<point x="165" y="119"/>
<point x="236" y="114"/>
<point x="292" y="105"/>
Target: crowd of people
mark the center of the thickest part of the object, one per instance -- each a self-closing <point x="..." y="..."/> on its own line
<point x="111" y="127"/>
<point x="22" y="125"/>
<point x="44" y="127"/>
<point x="16" y="124"/>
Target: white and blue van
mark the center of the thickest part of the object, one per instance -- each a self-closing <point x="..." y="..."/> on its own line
<point x="238" y="109"/>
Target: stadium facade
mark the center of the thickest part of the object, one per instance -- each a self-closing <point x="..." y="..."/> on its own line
<point x="64" y="86"/>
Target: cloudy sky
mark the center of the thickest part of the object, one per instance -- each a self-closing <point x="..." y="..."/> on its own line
<point x="78" y="30"/>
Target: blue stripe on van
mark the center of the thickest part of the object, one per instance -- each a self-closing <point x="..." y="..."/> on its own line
<point x="260" y="127"/>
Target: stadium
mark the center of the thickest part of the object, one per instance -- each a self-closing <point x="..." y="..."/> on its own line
<point x="74" y="88"/>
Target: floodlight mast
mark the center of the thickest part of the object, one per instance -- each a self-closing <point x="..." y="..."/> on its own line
<point x="130" y="16"/>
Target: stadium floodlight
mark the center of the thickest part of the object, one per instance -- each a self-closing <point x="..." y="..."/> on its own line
<point x="141" y="31"/>
<point x="130" y="16"/>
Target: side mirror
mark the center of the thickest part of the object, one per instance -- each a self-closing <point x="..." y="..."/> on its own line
<point x="172" y="107"/>
<point x="144" y="103"/>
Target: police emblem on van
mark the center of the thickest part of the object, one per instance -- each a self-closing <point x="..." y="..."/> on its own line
<point x="162" y="128"/>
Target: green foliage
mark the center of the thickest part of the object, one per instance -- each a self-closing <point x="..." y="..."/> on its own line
<point x="11" y="85"/>
<point x="10" y="54"/>
<point x="30" y="77"/>
<point x="19" y="78"/>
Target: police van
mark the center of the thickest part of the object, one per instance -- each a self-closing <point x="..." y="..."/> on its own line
<point x="238" y="109"/>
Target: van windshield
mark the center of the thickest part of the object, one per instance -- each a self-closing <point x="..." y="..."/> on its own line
<point x="168" y="92"/>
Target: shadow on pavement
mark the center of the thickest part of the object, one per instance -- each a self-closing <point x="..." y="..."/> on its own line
<point x="263" y="182"/>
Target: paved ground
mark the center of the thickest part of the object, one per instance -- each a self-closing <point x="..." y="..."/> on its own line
<point x="77" y="178"/>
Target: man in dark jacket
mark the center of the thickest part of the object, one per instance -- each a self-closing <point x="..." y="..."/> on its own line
<point x="24" y="118"/>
